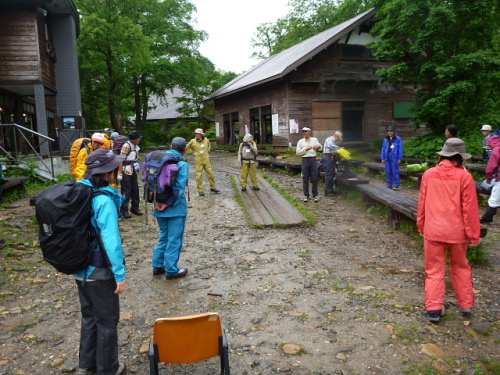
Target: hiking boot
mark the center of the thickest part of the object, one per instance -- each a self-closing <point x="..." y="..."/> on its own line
<point x="306" y="199"/>
<point x="202" y="194"/>
<point x="316" y="199"/>
<point x="395" y="188"/>
<point x="158" y="271"/>
<point x="466" y="312"/>
<point x="216" y="191"/>
<point x="86" y="371"/>
<point x="127" y="215"/>
<point x="122" y="369"/>
<point x="137" y="213"/>
<point x="435" y="315"/>
<point x="244" y="189"/>
<point x="182" y="272"/>
<point x="256" y="188"/>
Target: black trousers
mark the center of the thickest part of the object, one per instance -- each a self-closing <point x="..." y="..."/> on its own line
<point x="310" y="171"/>
<point x="100" y="308"/>
<point x="329" y="167"/>
<point x="130" y="190"/>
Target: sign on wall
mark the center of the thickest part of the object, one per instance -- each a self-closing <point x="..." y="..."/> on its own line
<point x="276" y="129"/>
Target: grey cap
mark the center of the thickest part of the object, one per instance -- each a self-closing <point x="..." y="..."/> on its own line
<point x="178" y="143"/>
<point x="391" y="129"/>
<point x="101" y="161"/>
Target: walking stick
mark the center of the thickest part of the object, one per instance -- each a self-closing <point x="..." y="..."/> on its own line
<point x="146" y="193"/>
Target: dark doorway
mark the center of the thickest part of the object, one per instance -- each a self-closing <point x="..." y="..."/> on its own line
<point x="352" y="121"/>
<point x="231" y="128"/>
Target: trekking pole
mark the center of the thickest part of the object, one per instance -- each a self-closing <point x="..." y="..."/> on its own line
<point x="187" y="186"/>
<point x="146" y="188"/>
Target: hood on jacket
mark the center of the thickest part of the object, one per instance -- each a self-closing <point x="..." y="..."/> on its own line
<point x="248" y="138"/>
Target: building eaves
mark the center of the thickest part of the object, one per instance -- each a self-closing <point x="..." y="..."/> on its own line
<point x="279" y="65"/>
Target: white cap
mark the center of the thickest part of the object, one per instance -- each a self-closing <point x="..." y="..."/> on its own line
<point x="338" y="134"/>
<point x="98" y="137"/>
<point x="486" y="127"/>
<point x="306" y="129"/>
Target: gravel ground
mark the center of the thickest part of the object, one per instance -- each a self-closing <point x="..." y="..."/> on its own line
<point x="342" y="297"/>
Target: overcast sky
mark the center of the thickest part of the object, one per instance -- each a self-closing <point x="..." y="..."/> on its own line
<point x="230" y="25"/>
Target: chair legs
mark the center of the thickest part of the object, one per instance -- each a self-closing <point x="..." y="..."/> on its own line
<point x="153" y="358"/>
<point x="224" y="355"/>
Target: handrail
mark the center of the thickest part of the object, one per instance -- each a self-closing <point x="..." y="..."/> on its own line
<point x="15" y="133"/>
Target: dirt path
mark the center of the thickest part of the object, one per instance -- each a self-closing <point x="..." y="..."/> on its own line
<point x="347" y="292"/>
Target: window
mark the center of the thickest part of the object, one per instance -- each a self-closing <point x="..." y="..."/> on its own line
<point x="355" y="52"/>
<point x="403" y="110"/>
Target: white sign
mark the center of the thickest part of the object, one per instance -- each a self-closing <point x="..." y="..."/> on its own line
<point x="276" y="129"/>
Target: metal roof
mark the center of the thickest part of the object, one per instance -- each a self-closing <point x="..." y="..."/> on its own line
<point x="166" y="108"/>
<point x="279" y="65"/>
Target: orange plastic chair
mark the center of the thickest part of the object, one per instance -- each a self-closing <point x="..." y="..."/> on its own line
<point x="187" y="339"/>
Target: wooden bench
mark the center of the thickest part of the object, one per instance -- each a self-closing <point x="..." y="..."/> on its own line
<point x="398" y="203"/>
<point x="476" y="167"/>
<point x="374" y="168"/>
<point x="403" y="172"/>
<point x="291" y="167"/>
<point x="17" y="182"/>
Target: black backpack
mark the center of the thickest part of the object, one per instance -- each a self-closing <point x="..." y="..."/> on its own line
<point x="67" y="237"/>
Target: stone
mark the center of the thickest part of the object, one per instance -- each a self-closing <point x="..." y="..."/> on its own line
<point x="292" y="349"/>
<point x="431" y="350"/>
<point x="57" y="362"/>
<point x="441" y="365"/>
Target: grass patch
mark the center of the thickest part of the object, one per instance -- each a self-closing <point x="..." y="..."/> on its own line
<point x="378" y="210"/>
<point x="478" y="255"/>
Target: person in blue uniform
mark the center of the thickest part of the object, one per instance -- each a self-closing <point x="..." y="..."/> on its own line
<point x="392" y="156"/>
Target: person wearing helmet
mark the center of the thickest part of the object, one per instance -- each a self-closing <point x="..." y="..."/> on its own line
<point x="97" y="141"/>
<point x="200" y="147"/>
<point x="392" y="156"/>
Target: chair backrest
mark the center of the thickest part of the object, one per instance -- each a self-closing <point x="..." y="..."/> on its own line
<point x="187" y="339"/>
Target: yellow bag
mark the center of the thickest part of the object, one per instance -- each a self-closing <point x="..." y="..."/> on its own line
<point x="344" y="154"/>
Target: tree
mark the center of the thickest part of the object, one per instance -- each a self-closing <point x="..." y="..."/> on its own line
<point x="131" y="49"/>
<point x="307" y="18"/>
<point x="447" y="49"/>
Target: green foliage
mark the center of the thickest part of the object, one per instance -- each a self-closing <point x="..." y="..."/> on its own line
<point x="153" y="134"/>
<point x="427" y="146"/>
<point x="306" y="19"/>
<point x="478" y="255"/>
<point x="132" y="49"/>
<point x="377" y="144"/>
<point x="378" y="210"/>
<point x="453" y="60"/>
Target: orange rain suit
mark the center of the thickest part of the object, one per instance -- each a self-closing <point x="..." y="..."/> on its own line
<point x="448" y="216"/>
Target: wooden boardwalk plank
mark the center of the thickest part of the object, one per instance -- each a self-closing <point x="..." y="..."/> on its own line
<point x="266" y="207"/>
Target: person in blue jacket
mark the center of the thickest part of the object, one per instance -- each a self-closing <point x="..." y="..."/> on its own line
<point x="392" y="156"/>
<point x="171" y="216"/>
<point x="100" y="284"/>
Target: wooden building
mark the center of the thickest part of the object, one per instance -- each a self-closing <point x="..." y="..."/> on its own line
<point x="327" y="82"/>
<point x="166" y="110"/>
<point x="39" y="77"/>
